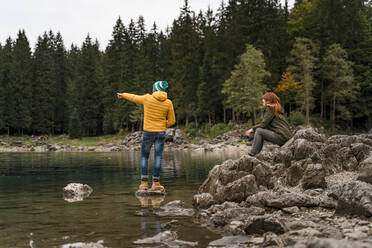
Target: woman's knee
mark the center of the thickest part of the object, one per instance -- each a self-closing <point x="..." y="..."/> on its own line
<point x="259" y="131"/>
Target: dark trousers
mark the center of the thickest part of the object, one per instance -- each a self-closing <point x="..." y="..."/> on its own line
<point x="260" y="135"/>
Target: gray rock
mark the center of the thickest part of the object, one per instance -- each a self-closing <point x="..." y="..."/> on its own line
<point x="76" y="192"/>
<point x="360" y="151"/>
<point x="294" y="174"/>
<point x="149" y="192"/>
<point x="166" y="238"/>
<point x="132" y="139"/>
<point x="98" y="244"/>
<point x="310" y="134"/>
<point x="291" y="210"/>
<point x="263" y="224"/>
<point x="204" y="200"/>
<point x="354" y="197"/>
<point x="228" y="241"/>
<point x="303" y="149"/>
<point x="174" y="208"/>
<point x="179" y="137"/>
<point x="169" y="134"/>
<point x="314" y="177"/>
<point x="272" y="240"/>
<point x="331" y="243"/>
<point x="365" y="174"/>
<point x="263" y="175"/>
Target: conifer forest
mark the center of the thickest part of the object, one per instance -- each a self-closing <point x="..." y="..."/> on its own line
<point x="317" y="57"/>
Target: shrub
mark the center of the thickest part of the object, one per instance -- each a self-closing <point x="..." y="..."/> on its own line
<point x="296" y="118"/>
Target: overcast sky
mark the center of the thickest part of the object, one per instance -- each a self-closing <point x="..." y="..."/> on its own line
<point x="74" y="19"/>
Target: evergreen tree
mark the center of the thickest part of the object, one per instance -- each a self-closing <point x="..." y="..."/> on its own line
<point x="22" y="82"/>
<point x="74" y="129"/>
<point x="114" y="78"/>
<point x="245" y="88"/>
<point x="185" y="64"/>
<point x="338" y="75"/>
<point x="7" y="84"/>
<point x="89" y="88"/>
<point x="60" y="105"/>
<point x="302" y="65"/>
<point x="44" y="78"/>
<point x="2" y="93"/>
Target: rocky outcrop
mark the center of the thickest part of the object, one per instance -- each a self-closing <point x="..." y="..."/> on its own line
<point x="310" y="187"/>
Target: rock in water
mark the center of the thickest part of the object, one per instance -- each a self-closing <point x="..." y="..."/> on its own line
<point x="76" y="192"/>
<point x="144" y="193"/>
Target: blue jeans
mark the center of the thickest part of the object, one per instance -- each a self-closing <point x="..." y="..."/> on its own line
<point x="148" y="139"/>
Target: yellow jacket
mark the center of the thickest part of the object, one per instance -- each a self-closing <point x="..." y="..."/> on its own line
<point x="159" y="112"/>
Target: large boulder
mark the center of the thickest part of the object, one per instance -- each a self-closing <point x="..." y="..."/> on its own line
<point x="310" y="134"/>
<point x="314" y="177"/>
<point x="354" y="197"/>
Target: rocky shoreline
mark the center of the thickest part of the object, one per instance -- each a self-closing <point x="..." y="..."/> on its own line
<point x="312" y="192"/>
<point x="176" y="140"/>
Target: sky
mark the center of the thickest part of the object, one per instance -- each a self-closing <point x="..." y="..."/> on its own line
<point x="74" y="19"/>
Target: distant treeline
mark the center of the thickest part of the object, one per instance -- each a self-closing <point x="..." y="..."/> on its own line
<point x="41" y="89"/>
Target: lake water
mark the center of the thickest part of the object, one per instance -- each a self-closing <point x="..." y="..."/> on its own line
<point x="34" y="214"/>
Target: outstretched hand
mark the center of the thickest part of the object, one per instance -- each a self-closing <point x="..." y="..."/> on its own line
<point x="249" y="132"/>
<point x="119" y="95"/>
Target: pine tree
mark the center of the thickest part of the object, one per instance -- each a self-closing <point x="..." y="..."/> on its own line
<point x="60" y="105"/>
<point x="185" y="65"/>
<point x="2" y="93"/>
<point x="44" y="78"/>
<point x="89" y="87"/>
<point x="245" y="88"/>
<point x="22" y="82"/>
<point x="338" y="75"/>
<point x="302" y="65"/>
<point x="7" y="84"/>
<point x="74" y="129"/>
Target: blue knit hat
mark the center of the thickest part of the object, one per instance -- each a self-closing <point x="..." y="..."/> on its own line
<point x="160" y="85"/>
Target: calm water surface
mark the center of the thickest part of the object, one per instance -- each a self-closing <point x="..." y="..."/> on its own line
<point x="34" y="214"/>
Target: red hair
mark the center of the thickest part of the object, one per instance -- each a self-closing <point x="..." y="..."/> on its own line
<point x="273" y="102"/>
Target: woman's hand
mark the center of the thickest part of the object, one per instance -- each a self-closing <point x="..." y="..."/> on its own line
<point x="249" y="132"/>
<point x="119" y="95"/>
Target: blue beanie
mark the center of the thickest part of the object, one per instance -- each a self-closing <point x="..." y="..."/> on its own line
<point x="160" y="85"/>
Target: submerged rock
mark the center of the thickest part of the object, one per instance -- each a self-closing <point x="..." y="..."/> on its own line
<point x="165" y="239"/>
<point x="175" y="208"/>
<point x="230" y="241"/>
<point x="76" y="192"/>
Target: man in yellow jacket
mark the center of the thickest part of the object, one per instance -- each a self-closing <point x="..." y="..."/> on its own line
<point x="159" y="114"/>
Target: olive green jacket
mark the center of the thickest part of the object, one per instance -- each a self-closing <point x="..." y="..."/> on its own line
<point x="278" y="125"/>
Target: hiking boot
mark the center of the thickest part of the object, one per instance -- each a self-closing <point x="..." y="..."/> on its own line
<point x="144" y="185"/>
<point x="156" y="186"/>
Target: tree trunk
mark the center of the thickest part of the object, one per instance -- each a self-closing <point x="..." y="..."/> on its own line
<point x="233" y="115"/>
<point x="224" y="115"/>
<point x="333" y="113"/>
<point x="307" y="108"/>
<point x="322" y="101"/>
<point x="209" y="119"/>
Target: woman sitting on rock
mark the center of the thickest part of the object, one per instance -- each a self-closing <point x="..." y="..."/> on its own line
<point x="273" y="128"/>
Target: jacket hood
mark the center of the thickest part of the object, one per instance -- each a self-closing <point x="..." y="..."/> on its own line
<point x="160" y="95"/>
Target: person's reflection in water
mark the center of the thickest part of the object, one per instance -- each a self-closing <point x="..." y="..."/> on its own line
<point x="155" y="203"/>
